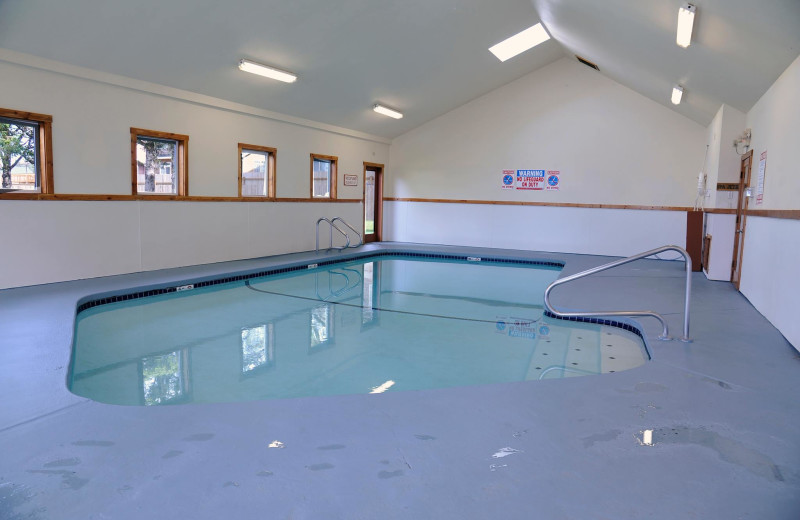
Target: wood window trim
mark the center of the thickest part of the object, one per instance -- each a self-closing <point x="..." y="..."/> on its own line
<point x="183" y="160"/>
<point x="272" y="162"/>
<point x="45" y="137"/>
<point x="334" y="167"/>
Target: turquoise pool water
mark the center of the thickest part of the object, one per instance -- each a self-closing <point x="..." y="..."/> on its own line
<point x="383" y="324"/>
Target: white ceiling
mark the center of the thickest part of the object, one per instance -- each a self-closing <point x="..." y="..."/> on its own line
<point x="423" y="57"/>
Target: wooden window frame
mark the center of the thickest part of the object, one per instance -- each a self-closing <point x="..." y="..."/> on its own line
<point x="45" y="139"/>
<point x="183" y="162"/>
<point x="334" y="167"/>
<point x="272" y="161"/>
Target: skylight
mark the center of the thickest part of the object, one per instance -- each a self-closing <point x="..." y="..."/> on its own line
<point x="520" y="42"/>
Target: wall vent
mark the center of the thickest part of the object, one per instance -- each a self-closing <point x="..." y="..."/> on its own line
<point x="587" y="63"/>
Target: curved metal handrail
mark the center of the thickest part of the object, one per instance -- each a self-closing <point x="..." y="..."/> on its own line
<point x="360" y="238"/>
<point x="337" y="228"/>
<point x="665" y="333"/>
<point x="348" y="284"/>
<point x="565" y="369"/>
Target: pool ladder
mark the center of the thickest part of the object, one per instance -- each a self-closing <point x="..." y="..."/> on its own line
<point x="332" y="225"/>
<point x="665" y="333"/>
<point x="343" y="275"/>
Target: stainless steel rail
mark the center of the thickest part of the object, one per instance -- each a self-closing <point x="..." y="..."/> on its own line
<point x="345" y="234"/>
<point x="332" y="227"/>
<point x="665" y="333"/>
<point x="349" y="283"/>
<point x="360" y="238"/>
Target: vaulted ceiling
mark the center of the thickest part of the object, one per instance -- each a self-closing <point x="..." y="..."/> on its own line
<point x="421" y="57"/>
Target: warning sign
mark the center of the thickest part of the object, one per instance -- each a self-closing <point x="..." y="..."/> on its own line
<point x="508" y="180"/>
<point x="530" y="179"/>
<point x="552" y="179"/>
<point x="516" y="327"/>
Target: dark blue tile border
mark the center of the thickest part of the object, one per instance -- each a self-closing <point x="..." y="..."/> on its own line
<point x="302" y="267"/>
<point x="598" y="321"/>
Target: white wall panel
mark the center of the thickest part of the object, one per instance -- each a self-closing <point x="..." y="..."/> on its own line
<point x="613" y="232"/>
<point x="51" y="241"/>
<point x="722" y="229"/>
<point x="188" y="233"/>
<point x="771" y="272"/>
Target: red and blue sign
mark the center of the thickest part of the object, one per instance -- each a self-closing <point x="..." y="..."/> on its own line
<point x="530" y="179"/>
<point x="508" y="180"/>
<point x="552" y="179"/>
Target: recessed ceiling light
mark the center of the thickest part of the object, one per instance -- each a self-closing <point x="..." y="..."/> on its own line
<point x="268" y="72"/>
<point x="520" y="42"/>
<point x="685" y="24"/>
<point x="677" y="94"/>
<point x="387" y="111"/>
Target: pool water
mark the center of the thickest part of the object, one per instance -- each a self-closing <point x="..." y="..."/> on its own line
<point x="380" y="324"/>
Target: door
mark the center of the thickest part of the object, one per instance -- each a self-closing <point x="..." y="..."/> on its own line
<point x="373" y="202"/>
<point x="741" y="218"/>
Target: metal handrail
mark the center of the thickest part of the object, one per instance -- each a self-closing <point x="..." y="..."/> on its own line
<point x="345" y="234"/>
<point x="332" y="227"/>
<point x="360" y="238"/>
<point x="348" y="285"/>
<point x="665" y="333"/>
<point x="565" y="369"/>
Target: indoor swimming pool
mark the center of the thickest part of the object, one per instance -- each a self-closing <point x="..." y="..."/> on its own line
<point x="374" y="324"/>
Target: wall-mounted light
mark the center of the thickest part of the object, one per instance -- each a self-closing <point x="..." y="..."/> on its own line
<point x="685" y="24"/>
<point x="520" y="42"/>
<point x="387" y="111"/>
<point x="266" y="71"/>
<point x="677" y="94"/>
<point x="742" y="143"/>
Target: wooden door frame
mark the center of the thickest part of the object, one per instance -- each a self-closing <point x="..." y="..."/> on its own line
<point x="379" y="168"/>
<point x="745" y="172"/>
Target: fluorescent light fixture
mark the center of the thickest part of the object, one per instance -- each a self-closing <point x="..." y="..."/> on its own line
<point x="519" y="43"/>
<point x="685" y="23"/>
<point x="677" y="94"/>
<point x="387" y="111"/>
<point x="382" y="388"/>
<point x="268" y="72"/>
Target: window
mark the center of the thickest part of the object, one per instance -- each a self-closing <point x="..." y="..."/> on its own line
<point x="258" y="348"/>
<point x="321" y="328"/>
<point x="164" y="378"/>
<point x="26" y="152"/>
<point x="323" y="176"/>
<point x="256" y="171"/>
<point x="159" y="163"/>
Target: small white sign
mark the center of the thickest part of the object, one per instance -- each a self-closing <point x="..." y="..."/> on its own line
<point x="350" y="180"/>
<point x="762" y="170"/>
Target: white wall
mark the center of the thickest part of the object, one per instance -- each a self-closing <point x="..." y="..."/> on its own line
<point x="46" y="241"/>
<point x="775" y="121"/>
<point x="616" y="232"/>
<point x="723" y="163"/>
<point x="722" y="229"/>
<point x="51" y="241"/>
<point x="770" y="274"/>
<point x="611" y="145"/>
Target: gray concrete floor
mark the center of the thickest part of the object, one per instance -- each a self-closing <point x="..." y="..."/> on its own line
<point x="724" y="413"/>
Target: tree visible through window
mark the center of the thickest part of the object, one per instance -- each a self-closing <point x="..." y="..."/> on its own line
<point x="157" y="157"/>
<point x="159" y="164"/>
<point x="25" y="151"/>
